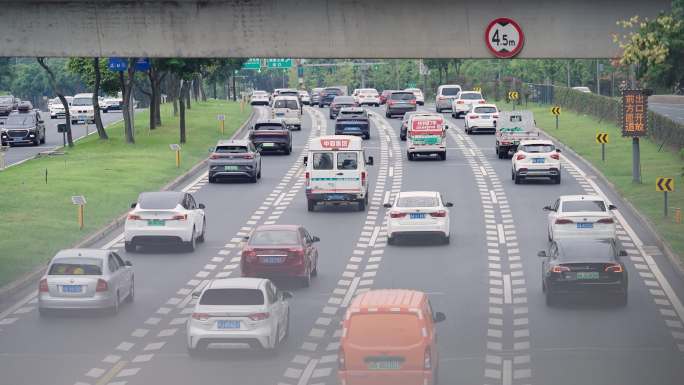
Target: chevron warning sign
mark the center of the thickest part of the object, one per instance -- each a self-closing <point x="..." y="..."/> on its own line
<point x="664" y="184"/>
<point x="513" y="95"/>
<point x="477" y="89"/>
<point x="556" y="110"/>
<point x="602" y="138"/>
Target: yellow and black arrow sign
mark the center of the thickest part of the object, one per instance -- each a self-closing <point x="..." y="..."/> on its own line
<point x="664" y="184"/>
<point x="602" y="138"/>
<point x="513" y="95"/>
<point x="556" y="110"/>
<point x="477" y="89"/>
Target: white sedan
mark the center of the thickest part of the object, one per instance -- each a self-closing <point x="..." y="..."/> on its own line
<point x="418" y="213"/>
<point x="420" y="98"/>
<point x="246" y="311"/>
<point x="585" y="216"/>
<point x="259" y="98"/>
<point x="463" y="102"/>
<point x="164" y="217"/>
<point x="481" y="118"/>
<point x="536" y="159"/>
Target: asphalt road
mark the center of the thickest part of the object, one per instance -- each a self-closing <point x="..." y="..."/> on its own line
<point x="672" y="111"/>
<point x="487" y="281"/>
<point x="54" y="139"/>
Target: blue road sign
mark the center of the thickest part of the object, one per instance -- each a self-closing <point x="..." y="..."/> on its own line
<point x="117" y="64"/>
<point x="142" y="64"/>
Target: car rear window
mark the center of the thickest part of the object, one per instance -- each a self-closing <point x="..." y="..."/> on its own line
<point x="538" y="148"/>
<point x="158" y="201"/>
<point x="417" y="202"/>
<point x="579" y="251"/>
<point x="471" y="96"/>
<point x="585" y="205"/>
<point x="231" y="149"/>
<point x="322" y="161"/>
<point x="450" y="91"/>
<point x="274" y="237"/>
<point x="289" y="104"/>
<point x="347" y="160"/>
<point x="485" y="110"/>
<point x="234" y="297"/>
<point x="76" y="266"/>
<point x="384" y="329"/>
<point x="259" y="93"/>
<point x="402" y="96"/>
<point x="268" y="126"/>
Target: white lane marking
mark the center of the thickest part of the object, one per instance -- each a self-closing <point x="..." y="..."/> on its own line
<point x="194" y="182"/>
<point x="500" y="230"/>
<point x="350" y="292"/>
<point x="507" y="373"/>
<point x="507" y="288"/>
<point x="493" y="196"/>
<point x="308" y="371"/>
<point x="374" y="237"/>
<point x="391" y="171"/>
<point x="114" y="241"/>
<point x="280" y="198"/>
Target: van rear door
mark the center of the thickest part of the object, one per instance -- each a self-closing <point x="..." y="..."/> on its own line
<point x="348" y="177"/>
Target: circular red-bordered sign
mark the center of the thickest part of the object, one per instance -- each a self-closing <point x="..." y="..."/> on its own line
<point x="504" y="37"/>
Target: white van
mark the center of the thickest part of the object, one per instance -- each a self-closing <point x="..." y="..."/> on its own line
<point x="289" y="110"/>
<point x="81" y="109"/>
<point x="426" y="135"/>
<point x="336" y="171"/>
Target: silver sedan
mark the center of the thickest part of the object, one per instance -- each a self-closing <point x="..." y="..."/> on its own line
<point x="86" y="279"/>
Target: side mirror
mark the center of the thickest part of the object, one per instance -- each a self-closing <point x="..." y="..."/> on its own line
<point x="439" y="317"/>
<point x="133" y="205"/>
<point x="542" y="254"/>
<point x="448" y="204"/>
<point x="211" y="149"/>
<point x="558" y="150"/>
<point x="202" y="206"/>
<point x="622" y="253"/>
<point x="315" y="239"/>
<point x="612" y="207"/>
<point x="446" y="126"/>
<point x="287" y="295"/>
<point x="387" y="205"/>
<point x="196" y="294"/>
<point x="370" y="161"/>
<point x="306" y="160"/>
<point x="548" y="208"/>
<point x="128" y="263"/>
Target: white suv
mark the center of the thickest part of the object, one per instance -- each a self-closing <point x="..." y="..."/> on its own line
<point x="581" y="216"/>
<point x="81" y="109"/>
<point x="463" y="102"/>
<point x="536" y="159"/>
<point x="250" y="311"/>
<point x="368" y="96"/>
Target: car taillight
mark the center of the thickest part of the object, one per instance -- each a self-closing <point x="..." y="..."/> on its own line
<point x="441" y="98"/>
<point x="101" y="285"/>
<point x="559" y="269"/>
<point x="438" y="214"/>
<point x="249" y="254"/>
<point x="474" y="116"/>
<point x="427" y="359"/>
<point x="296" y="252"/>
<point x="363" y="178"/>
<point x="200" y="316"/>
<point x="519" y="157"/>
<point x="397" y="215"/>
<point x="258" y="316"/>
<point x="179" y="217"/>
<point x="605" y="220"/>
<point x="390" y="102"/>
<point x="134" y="217"/>
<point x="248" y="156"/>
<point x="505" y="142"/>
<point x="614" y="268"/>
<point x="214" y="156"/>
<point x="481" y="102"/>
<point x="341" y="360"/>
<point x="563" y="221"/>
<point x="307" y="177"/>
<point x="43" y="286"/>
<point x="459" y="102"/>
<point x="555" y="156"/>
<point x="412" y="101"/>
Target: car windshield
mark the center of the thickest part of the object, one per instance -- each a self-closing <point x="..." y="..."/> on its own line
<point x="289" y="104"/>
<point x="20" y="120"/>
<point x="232" y="297"/>
<point x="268" y="126"/>
<point x="403" y="96"/>
<point x="76" y="266"/>
<point x="346" y="160"/>
<point x="384" y="329"/>
<point x="274" y="237"/>
<point x="580" y="251"/>
<point x="471" y="96"/>
<point x="82" y="102"/>
<point x="485" y="110"/>
<point x="450" y="91"/>
<point x="158" y="200"/>
<point x="583" y="205"/>
<point x="420" y="201"/>
<point x="231" y="149"/>
<point x="538" y="148"/>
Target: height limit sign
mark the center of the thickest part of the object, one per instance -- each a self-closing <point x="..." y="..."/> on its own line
<point x="504" y="37"/>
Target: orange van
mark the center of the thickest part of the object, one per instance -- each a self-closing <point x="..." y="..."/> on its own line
<point x="388" y="338"/>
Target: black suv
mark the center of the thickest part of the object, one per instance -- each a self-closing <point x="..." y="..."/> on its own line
<point x="271" y="135"/>
<point x="22" y="127"/>
<point x="353" y="121"/>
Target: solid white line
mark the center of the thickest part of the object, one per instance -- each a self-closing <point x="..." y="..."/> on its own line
<point x="308" y="371"/>
<point x="507" y="288"/>
<point x="193" y="183"/>
<point x="387" y="197"/>
<point x="507" y="375"/>
<point x="19" y="304"/>
<point x="114" y="241"/>
<point x="374" y="236"/>
<point x="280" y="198"/>
<point x="350" y="292"/>
<point x="502" y="237"/>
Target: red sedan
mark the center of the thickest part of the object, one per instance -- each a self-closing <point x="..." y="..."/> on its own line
<point x="384" y="95"/>
<point x="280" y="251"/>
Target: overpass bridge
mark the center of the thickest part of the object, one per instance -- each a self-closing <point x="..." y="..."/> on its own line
<point x="310" y="28"/>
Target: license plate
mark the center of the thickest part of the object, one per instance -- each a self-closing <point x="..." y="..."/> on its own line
<point x="585" y="225"/>
<point x="156" y="222"/>
<point x="587" y="275"/>
<point x="384" y="365"/>
<point x="82" y="117"/>
<point x="537" y="160"/>
<point x="417" y="215"/>
<point x="280" y="114"/>
<point x="72" y="288"/>
<point x="230" y="168"/>
<point x="272" y="260"/>
<point x="335" y="197"/>
<point x="352" y="129"/>
<point x="267" y="145"/>
<point x="485" y="116"/>
<point x="224" y="324"/>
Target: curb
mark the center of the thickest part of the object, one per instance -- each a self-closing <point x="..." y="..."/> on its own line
<point x="15" y="287"/>
<point x="660" y="242"/>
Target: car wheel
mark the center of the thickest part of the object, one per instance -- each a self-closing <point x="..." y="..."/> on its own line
<point x="517" y="179"/>
<point x="551" y="299"/>
<point x="391" y="240"/>
<point x="305" y="281"/>
<point x="447" y="239"/>
<point x="204" y="229"/>
<point x="212" y="179"/>
<point x="387" y="115"/>
<point x="314" y="272"/>
<point x="543" y="281"/>
<point x="442" y="156"/>
<point x="131" y="294"/>
<point x="402" y="137"/>
<point x="287" y="326"/>
<point x="453" y="115"/>
<point x="42" y="140"/>
<point x="190" y="245"/>
<point x="115" y="308"/>
<point x="289" y="150"/>
<point x="129" y="247"/>
<point x="362" y="204"/>
<point x="439" y="110"/>
<point x="366" y="136"/>
<point x="558" y="179"/>
<point x="310" y="205"/>
<point x="254" y="178"/>
<point x="259" y="174"/>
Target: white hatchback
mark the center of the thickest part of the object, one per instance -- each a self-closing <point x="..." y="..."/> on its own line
<point x="418" y="213"/>
<point x="536" y="159"/>
<point x="239" y="311"/>
<point x="463" y="102"/>
<point x="481" y="117"/>
<point x="164" y="217"/>
<point x="586" y="216"/>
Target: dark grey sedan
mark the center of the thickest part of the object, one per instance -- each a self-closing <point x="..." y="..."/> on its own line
<point x="234" y="159"/>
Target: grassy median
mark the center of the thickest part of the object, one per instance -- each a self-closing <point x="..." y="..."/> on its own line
<point x="37" y="215"/>
<point x="579" y="132"/>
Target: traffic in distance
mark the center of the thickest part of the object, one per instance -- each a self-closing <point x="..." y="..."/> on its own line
<point x="388" y="335"/>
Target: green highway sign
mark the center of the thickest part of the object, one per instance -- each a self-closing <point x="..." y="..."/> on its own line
<point x="253" y="63"/>
<point x="278" y="63"/>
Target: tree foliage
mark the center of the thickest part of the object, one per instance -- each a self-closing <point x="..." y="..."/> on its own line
<point x="84" y="69"/>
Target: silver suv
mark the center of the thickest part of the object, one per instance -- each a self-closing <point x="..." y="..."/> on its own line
<point x="234" y="159"/>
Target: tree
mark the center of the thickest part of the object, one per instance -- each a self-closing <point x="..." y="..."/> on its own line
<point x="58" y="90"/>
<point x="98" y="77"/>
<point x="127" y="81"/>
